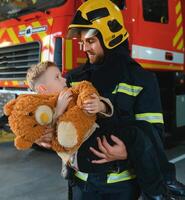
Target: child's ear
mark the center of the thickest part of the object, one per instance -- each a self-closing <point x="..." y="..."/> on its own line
<point x="40" y="88"/>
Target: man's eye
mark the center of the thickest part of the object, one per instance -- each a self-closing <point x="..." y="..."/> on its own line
<point x="91" y="41"/>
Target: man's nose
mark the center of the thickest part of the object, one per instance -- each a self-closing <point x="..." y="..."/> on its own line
<point x="86" y="47"/>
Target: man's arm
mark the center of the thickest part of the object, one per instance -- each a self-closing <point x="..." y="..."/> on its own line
<point x="148" y="108"/>
<point x="148" y="105"/>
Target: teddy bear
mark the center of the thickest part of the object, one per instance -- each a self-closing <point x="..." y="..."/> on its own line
<point x="29" y="114"/>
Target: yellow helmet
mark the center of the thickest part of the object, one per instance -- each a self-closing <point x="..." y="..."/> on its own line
<point x="101" y="15"/>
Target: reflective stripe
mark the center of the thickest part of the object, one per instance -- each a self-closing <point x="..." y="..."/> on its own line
<point x="155" y="54"/>
<point x="150" y="117"/>
<point x="131" y="90"/>
<point x="13" y="36"/>
<point x="173" y="66"/>
<point x="123" y="176"/>
<point x="81" y="175"/>
<point x="112" y="177"/>
<point x="74" y="83"/>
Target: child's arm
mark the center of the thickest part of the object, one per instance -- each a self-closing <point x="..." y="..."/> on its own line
<point x="99" y="105"/>
<point x="109" y="107"/>
<point x="63" y="100"/>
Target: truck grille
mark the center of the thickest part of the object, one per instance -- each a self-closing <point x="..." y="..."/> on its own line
<point x="15" y="60"/>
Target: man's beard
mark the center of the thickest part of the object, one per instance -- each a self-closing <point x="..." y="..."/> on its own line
<point x="98" y="59"/>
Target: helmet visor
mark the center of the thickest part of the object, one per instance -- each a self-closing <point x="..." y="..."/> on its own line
<point x="76" y="33"/>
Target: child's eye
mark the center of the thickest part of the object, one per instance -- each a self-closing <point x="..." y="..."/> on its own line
<point x="58" y="76"/>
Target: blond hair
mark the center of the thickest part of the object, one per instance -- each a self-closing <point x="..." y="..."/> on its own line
<point x="35" y="71"/>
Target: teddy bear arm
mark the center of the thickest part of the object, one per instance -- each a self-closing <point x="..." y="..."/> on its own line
<point x="73" y="126"/>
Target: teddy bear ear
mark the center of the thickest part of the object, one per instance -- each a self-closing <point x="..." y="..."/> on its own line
<point x="22" y="144"/>
<point x="8" y="107"/>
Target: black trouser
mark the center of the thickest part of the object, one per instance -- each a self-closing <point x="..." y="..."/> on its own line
<point x="146" y="155"/>
<point x="96" y="188"/>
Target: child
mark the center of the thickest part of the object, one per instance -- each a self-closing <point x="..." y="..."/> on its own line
<point x="45" y="78"/>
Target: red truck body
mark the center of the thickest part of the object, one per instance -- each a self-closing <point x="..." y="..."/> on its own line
<point x="35" y="30"/>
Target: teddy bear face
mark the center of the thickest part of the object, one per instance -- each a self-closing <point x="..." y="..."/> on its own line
<point x="30" y="114"/>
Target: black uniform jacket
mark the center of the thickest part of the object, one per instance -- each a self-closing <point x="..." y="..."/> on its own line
<point x="133" y="92"/>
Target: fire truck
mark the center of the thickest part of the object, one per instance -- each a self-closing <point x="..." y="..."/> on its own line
<point x="35" y="30"/>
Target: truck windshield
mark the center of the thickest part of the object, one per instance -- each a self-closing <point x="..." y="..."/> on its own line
<point x="16" y="8"/>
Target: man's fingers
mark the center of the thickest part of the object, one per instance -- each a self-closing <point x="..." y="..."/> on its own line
<point x="106" y="145"/>
<point x="48" y="133"/>
<point x="100" y="146"/>
<point x="44" y="140"/>
<point x="48" y="140"/>
<point x="49" y="128"/>
<point x="117" y="140"/>
<point x="43" y="144"/>
<point x="97" y="153"/>
<point x="100" y="161"/>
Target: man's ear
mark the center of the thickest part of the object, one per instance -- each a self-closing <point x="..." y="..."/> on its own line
<point x="40" y="88"/>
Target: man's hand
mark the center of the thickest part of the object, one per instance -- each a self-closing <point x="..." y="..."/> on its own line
<point x="45" y="140"/>
<point x="94" y="105"/>
<point x="108" y="153"/>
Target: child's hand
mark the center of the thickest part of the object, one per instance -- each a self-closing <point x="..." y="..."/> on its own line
<point x="94" y="105"/>
<point x="62" y="103"/>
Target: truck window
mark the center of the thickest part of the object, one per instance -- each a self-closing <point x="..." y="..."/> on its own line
<point x="155" y="11"/>
<point x="16" y="8"/>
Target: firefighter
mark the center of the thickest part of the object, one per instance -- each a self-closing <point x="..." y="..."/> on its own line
<point x="135" y="95"/>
